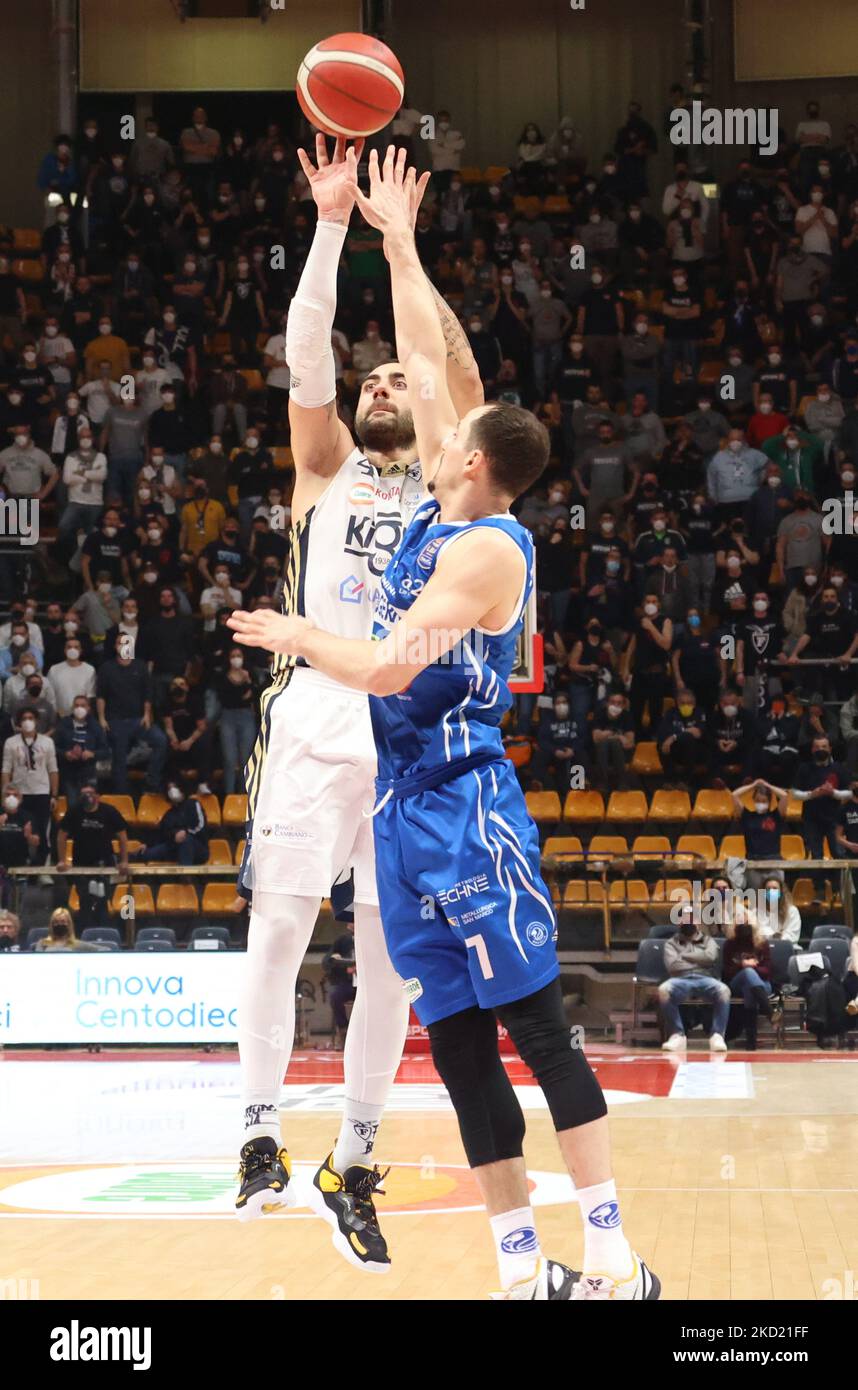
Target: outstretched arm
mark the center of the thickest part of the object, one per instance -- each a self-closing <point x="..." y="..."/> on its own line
<point x="463" y="375"/>
<point x="476" y="583"/>
<point x="420" y="342"/>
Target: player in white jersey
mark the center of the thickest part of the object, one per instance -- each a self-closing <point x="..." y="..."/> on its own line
<point x="310" y="779"/>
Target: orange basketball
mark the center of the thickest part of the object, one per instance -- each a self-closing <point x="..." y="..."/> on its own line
<point x="350" y="84"/>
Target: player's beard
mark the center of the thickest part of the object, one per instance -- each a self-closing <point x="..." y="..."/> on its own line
<point x="386" y="431"/>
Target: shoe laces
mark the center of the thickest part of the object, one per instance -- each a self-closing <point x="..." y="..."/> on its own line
<point x="364" y="1189"/>
<point x="252" y="1162"/>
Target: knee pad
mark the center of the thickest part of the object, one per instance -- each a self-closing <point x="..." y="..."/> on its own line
<point x="538" y="1027"/>
<point x="465" y="1053"/>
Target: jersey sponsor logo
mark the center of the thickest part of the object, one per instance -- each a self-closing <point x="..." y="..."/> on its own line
<point x="280" y="831"/>
<point x="465" y="888"/>
<point x="352" y="590"/>
<point x="374" y="540"/>
<point x="413" y="989"/>
<point x="476" y="913"/>
<point x="537" y="933"/>
<point x="362" y="495"/>
<point x="428" y="553"/>
<point x="520" y="1241"/>
<point x="606" y="1216"/>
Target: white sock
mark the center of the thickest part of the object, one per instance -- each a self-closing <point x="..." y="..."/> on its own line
<point x="280" y="929"/>
<point x="516" y="1245"/>
<point x="374" y="1041"/>
<point x="356" y="1138"/>
<point x="606" y="1250"/>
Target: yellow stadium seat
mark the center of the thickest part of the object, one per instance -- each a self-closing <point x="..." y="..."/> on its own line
<point x="792" y="847"/>
<point x="283" y="456"/>
<point x="732" y="847"/>
<point x="495" y="172"/>
<point x="584" y="806"/>
<point x="239" y="852"/>
<point x="795" y="808"/>
<point x="219" y="898"/>
<point x="626" y="806"/>
<point x="519" y="751"/>
<point x="713" y="805"/>
<point x="650" y="846"/>
<point x="672" y="890"/>
<point x="28" y="270"/>
<point x="26" y="239"/>
<point x="177" y="899"/>
<point x="578" y="891"/>
<point x="235" y="809"/>
<point x="220" y="343"/>
<point x="471" y="173"/>
<point x="700" y="845"/>
<point x="133" y="846"/>
<point x="74" y="900"/>
<point x="141" y="896"/>
<point x="124" y="805"/>
<point x="556" y="204"/>
<point x="606" y="847"/>
<point x="565" y="847"/>
<point x="645" y="760"/>
<point x="629" y="890"/>
<point x="253" y="378"/>
<point x="543" y="806"/>
<point x="803" y="893"/>
<point x="210" y="805"/>
<point x="803" y="404"/>
<point x="672" y="806"/>
<point x="219" y="852"/>
<point x="150" y="808"/>
<point x="710" y="372"/>
<point x="61" y="808"/>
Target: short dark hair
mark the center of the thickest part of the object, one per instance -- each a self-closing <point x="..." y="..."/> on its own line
<point x="516" y="444"/>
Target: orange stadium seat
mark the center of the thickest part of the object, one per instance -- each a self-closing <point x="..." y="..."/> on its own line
<point x="629" y="890"/>
<point x="584" y="806"/>
<point x="124" y="805"/>
<point x="219" y="898"/>
<point x="580" y="891"/>
<point x="606" y="847"/>
<point x="804" y="893"/>
<point x="26" y="239"/>
<point x="792" y="847"/>
<point x="646" y="761"/>
<point x="701" y="845"/>
<point x="650" y="846"/>
<point x="141" y="896"/>
<point x="239" y="852"/>
<point x="211" y="806"/>
<point x="672" y="890"/>
<point x="544" y="807"/>
<point x="564" y="847"/>
<point x="177" y="899"/>
<point x="235" y="809"/>
<point x="668" y="805"/>
<point x="626" y="806"/>
<point x="60" y="808"/>
<point x="732" y="847"/>
<point x="150" y="808"/>
<point x="713" y="805"/>
<point x="219" y="852"/>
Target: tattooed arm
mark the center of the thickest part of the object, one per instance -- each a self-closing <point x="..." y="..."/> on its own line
<point x="463" y="376"/>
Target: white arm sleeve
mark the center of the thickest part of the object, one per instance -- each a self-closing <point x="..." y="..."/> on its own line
<point x="311" y="320"/>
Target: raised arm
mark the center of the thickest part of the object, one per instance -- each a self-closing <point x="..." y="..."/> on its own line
<point x="420" y="343"/>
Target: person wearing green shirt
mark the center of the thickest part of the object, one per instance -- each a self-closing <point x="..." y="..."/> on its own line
<point x="798" y="455"/>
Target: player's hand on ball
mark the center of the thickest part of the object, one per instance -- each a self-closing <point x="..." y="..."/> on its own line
<point x="271" y="631"/>
<point x="333" y="182"/>
<point x="395" y="193"/>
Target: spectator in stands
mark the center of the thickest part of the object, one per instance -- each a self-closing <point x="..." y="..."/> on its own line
<point x="210" y="468"/>
<point x="19" y="843"/>
<point x="36" y="694"/>
<point x="182" y="836"/>
<point x="613" y="741"/>
<point x="445" y="150"/>
<point x="81" y="745"/>
<point x="166" y="644"/>
<point x="691" y="960"/>
<point x="645" y="664"/>
<point x="30" y="764"/>
<point x="200" y="148"/>
<point x="816" y="785"/>
<point x="708" y="426"/>
<point x="746" y="969"/>
<point x="61" y="935"/>
<point x="591" y="666"/>
<point x="733" y="474"/>
<point x="95" y="827"/>
<point x="682" y="737"/>
<point x="202" y="520"/>
<point x="168" y="429"/>
<point x="816" y="719"/>
<point x="124" y="703"/>
<point x="237" y="703"/>
<point x="84" y="474"/>
<point x="849" y="731"/>
<point x="765" y="422"/>
<point x="762" y="827"/>
<point x="778" y="918"/>
<point x="560" y="752"/>
<point x="832" y="633"/>
<point x="733" y="732"/>
<point x="10" y="928"/>
<point x="189" y="738"/>
<point x="339" y="969"/>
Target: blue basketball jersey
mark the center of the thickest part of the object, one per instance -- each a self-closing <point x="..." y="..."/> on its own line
<point x="452" y="710"/>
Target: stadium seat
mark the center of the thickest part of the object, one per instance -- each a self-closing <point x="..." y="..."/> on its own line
<point x="133" y="846"/>
<point x="495" y="172"/>
<point x="177" y="899"/>
<point x="519" y="751"/>
<point x="544" y="807"/>
<point x="556" y="204"/>
<point x="28" y="270"/>
<point x="703" y="846"/>
<point x="103" y="936"/>
<point x="732" y="847"/>
<point x="626" y="806"/>
<point x="282" y="456"/>
<point x="564" y="847"/>
<point x="124" y="805"/>
<point x="834" y="931"/>
<point x="209" y="938"/>
<point x="713" y="805"/>
<point x="33" y="935"/>
<point x="26" y="239"/>
<point x="210" y="805"/>
<point x="650" y="847"/>
<point x="804" y="894"/>
<point x="646" y="761"/>
<point x="235" y="809"/>
<point x="150" y="808"/>
<point x="584" y="806"/>
<point x="670" y="806"/>
<point x="146" y="934"/>
<point x="253" y="377"/>
<point x="580" y="891"/>
<point x="672" y="890"/>
<point x="74" y="899"/>
<point x="792" y="847"/>
<point x="239" y="852"/>
<point x="629" y="890"/>
<point x="471" y="173"/>
<point x="60" y="808"/>
<point x="219" y="852"/>
<point x="606" y="847"/>
<point x="795" y="808"/>
<point x="219" y="898"/>
<point x="141" y="897"/>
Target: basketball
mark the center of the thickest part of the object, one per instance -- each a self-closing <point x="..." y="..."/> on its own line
<point x="350" y="84"/>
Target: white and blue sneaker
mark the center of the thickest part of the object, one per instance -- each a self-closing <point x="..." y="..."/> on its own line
<point x="641" y="1286"/>
<point x="549" y="1281"/>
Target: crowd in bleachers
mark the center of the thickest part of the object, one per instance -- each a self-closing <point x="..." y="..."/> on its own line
<point x="695" y="363"/>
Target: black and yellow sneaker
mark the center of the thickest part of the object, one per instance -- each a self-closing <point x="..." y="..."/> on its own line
<point x="345" y="1201"/>
<point x="263" y="1172"/>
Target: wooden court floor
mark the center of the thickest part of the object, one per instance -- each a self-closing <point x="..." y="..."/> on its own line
<point x="740" y="1197"/>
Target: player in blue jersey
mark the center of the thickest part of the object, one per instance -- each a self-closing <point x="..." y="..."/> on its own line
<point x="467" y="917"/>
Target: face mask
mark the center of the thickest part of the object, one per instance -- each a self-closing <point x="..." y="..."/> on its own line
<point x="28" y="670"/>
<point x="27" y="726"/>
<point x="149" y="577"/>
<point x="612" y="566"/>
<point x="73" y="654"/>
<point x="658" y="526"/>
<point x="837" y="580"/>
<point x="816" y="197"/>
<point x="642" y="329"/>
<point x="169" y="318"/>
<point x="51" y="330"/>
<point x="216" y="447"/>
<point x="733" y="564"/>
<point x="765" y="407"/>
<point x="576" y="349"/>
<point x="545" y="294"/>
<point x="810" y="579"/>
<point x="735" y="445"/>
<point x="506" y="279"/>
<point x="686" y="710"/>
<point x="635" y="214"/>
<point x="735" y="361"/>
<point x="596" y="279"/>
<point x="154" y="534"/>
<point x="774" y="482"/>
<point x="157" y="461"/>
<point x="693" y="621"/>
<point x="731" y="711"/>
<point x="679" y="284"/>
<point x="11" y="803"/>
<point x="236" y="662"/>
<point x="761" y="807"/>
<point x="222" y="580"/>
<point x="817" y="320"/>
<point x="685" y="214"/>
<point x="104" y="588"/>
<point x="110" y="532"/>
<point x="18" y="641"/>
<point x="650" y="609"/>
<point x="80" y="714"/>
<point x="105" y="328"/>
<point x="614" y="711"/>
<point x="15" y="399"/>
<point x="562" y="711"/>
<point x="190" y="267"/>
<point x="792" y="443"/>
<point x="252" y="442"/>
<point x="608" y="527"/>
<point x="704" y="405"/>
<point x="174" y="795"/>
<point x="821" y="756"/>
<point x="760" y="606"/>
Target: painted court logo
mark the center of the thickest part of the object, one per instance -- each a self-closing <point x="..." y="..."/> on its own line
<point x="520" y="1241"/>
<point x="537" y="933"/>
<point x="606" y="1217"/>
